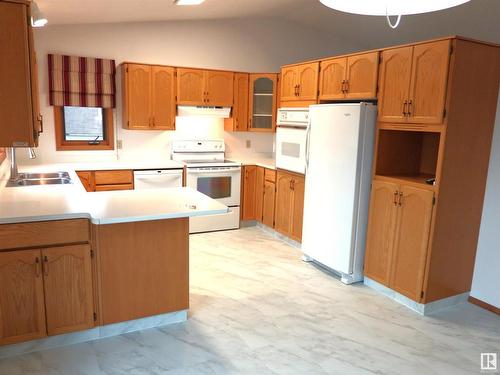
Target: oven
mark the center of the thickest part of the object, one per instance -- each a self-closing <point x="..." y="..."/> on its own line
<point x="291" y="139"/>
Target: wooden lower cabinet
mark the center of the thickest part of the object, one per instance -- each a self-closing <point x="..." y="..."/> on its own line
<point x="268" y="203"/>
<point x="398" y="236"/>
<point x="22" y="310"/>
<point x="289" y="204"/>
<point x="249" y="182"/>
<point x="67" y="276"/>
<point x="259" y="193"/>
<point x="106" y="180"/>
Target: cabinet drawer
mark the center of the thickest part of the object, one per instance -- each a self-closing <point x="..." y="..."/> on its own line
<point x="114" y="187"/>
<point x="270" y="175"/>
<point x="43" y="233"/>
<point x="113" y="177"/>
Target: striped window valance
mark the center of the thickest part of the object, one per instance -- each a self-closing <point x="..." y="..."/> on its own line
<point x="81" y="81"/>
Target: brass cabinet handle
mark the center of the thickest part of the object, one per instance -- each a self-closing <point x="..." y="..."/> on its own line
<point x="400" y="201"/>
<point x="347" y="86"/>
<point x="405" y="105"/>
<point x="395" y="201"/>
<point x="37" y="267"/>
<point x="343" y="86"/>
<point x="45" y="266"/>
<point x="410" y="107"/>
<point x="298" y="90"/>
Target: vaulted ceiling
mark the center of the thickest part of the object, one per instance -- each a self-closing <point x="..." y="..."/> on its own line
<point x="477" y="19"/>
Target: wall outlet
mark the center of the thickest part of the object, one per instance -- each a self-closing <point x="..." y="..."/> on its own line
<point x="248" y="143"/>
<point x="119" y="144"/>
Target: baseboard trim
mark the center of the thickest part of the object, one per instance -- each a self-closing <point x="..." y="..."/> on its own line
<point x="484" y="305"/>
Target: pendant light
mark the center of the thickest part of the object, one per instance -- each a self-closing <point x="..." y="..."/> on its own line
<point x="389" y="8"/>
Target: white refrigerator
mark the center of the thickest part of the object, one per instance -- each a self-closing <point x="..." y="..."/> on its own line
<point x="340" y="142"/>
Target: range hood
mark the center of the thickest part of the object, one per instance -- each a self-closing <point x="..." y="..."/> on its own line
<point x="216" y="112"/>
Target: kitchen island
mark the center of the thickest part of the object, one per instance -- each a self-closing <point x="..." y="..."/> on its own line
<point x="77" y="266"/>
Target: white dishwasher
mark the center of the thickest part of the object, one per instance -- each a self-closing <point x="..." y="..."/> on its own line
<point x="157" y="178"/>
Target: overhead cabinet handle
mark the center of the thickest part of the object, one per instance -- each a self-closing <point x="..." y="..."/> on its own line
<point x="400" y="201"/>
<point x="45" y="266"/>
<point x="405" y="105"/>
<point x="395" y="201"/>
<point x="38" y="266"/>
<point x="410" y="107"/>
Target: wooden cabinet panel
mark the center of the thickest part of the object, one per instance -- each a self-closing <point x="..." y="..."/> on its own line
<point x="332" y="78"/>
<point x="249" y="185"/>
<point x="268" y="203"/>
<point x="259" y="193"/>
<point x="307" y="80"/>
<point x="412" y="238"/>
<point x="381" y="231"/>
<point x="219" y="88"/>
<point x="395" y="74"/>
<point x="113" y="177"/>
<point x="68" y="289"/>
<point x="143" y="271"/>
<point x="270" y="175"/>
<point x="190" y="86"/>
<point x="262" y="102"/>
<point x="43" y="233"/>
<point x="87" y="179"/>
<point x="298" y="186"/>
<point x="114" y="187"/>
<point x="289" y="83"/>
<point x="361" y="76"/>
<point x="239" y="117"/>
<point x="22" y="311"/>
<point x="137" y="94"/>
<point x="163" y="109"/>
<point x="284" y="203"/>
<point x="429" y="78"/>
<point x="17" y="76"/>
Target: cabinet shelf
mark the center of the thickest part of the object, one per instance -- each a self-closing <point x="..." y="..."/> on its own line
<point x="262" y="114"/>
<point x="415" y="180"/>
<point x="263" y="94"/>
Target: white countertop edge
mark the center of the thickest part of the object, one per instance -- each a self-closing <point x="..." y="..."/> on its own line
<point x="54" y="217"/>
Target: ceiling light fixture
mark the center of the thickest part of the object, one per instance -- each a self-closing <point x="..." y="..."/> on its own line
<point x="389" y="8"/>
<point x="37" y="17"/>
<point x="188" y="2"/>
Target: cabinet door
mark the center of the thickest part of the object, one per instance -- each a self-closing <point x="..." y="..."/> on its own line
<point x="381" y="230"/>
<point x="332" y="78"/>
<point x="67" y="278"/>
<point x="219" y="87"/>
<point x="22" y="311"/>
<point x="362" y="74"/>
<point x="289" y="83"/>
<point x="395" y="73"/>
<point x="249" y="184"/>
<point x="87" y="180"/>
<point x="412" y="238"/>
<point x="191" y="86"/>
<point x="307" y="79"/>
<point x="163" y="97"/>
<point x="268" y="203"/>
<point x="284" y="202"/>
<point x="239" y="118"/>
<point x="262" y="102"/>
<point x="259" y="193"/>
<point x="138" y="96"/>
<point x="298" y="186"/>
<point x="428" y="82"/>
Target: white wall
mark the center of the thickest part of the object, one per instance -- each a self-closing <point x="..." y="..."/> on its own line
<point x="241" y="45"/>
<point x="486" y="281"/>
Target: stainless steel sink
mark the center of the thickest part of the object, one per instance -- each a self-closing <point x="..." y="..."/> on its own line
<point x="33" y="179"/>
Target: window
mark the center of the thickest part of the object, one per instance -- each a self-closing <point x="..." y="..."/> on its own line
<point x="83" y="128"/>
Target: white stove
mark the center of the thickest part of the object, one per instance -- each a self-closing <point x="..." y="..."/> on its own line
<point x="211" y="174"/>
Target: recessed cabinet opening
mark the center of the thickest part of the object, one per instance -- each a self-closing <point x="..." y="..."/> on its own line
<point x="407" y="155"/>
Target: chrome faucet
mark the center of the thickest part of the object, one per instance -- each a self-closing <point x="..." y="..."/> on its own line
<point x="14" y="172"/>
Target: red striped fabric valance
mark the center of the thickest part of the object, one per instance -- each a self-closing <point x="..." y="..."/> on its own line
<point x="81" y="81"/>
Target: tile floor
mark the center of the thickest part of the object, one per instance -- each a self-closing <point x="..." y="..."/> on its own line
<point x="256" y="308"/>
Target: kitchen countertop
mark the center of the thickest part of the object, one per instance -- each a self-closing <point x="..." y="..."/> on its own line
<point x="262" y="161"/>
<point x="104" y="166"/>
<point x="57" y="202"/>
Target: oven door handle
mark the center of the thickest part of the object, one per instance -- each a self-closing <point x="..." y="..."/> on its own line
<point x="213" y="171"/>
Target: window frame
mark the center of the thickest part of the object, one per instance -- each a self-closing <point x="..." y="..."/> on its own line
<point x="63" y="145"/>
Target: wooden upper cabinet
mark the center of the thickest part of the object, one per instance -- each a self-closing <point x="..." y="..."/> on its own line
<point x="18" y="77"/>
<point x="239" y="116"/>
<point x="22" y="311"/>
<point x="249" y="185"/>
<point x="381" y="231"/>
<point x="191" y="86"/>
<point x="259" y="193"/>
<point x="137" y="90"/>
<point x="361" y="76"/>
<point x="429" y="78"/>
<point x="412" y="238"/>
<point x="298" y="188"/>
<point x="289" y="83"/>
<point x="219" y="88"/>
<point x="268" y="203"/>
<point x="68" y="289"/>
<point x="307" y="81"/>
<point x="163" y="109"/>
<point x="332" y="79"/>
<point x="262" y="102"/>
<point x="395" y="74"/>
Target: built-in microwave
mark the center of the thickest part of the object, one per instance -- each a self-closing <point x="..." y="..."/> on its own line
<point x="291" y="139"/>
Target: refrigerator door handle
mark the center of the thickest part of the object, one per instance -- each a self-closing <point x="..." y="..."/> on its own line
<point x="308" y="136"/>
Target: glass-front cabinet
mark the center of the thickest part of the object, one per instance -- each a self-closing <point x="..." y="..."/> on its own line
<point x="262" y="102"/>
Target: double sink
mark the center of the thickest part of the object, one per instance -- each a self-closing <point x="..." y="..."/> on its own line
<point x="33" y="179"/>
